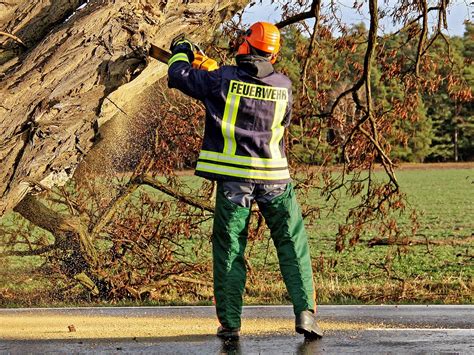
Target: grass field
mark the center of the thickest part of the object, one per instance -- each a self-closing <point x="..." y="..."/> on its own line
<point x="442" y="270"/>
<point x="439" y="270"/>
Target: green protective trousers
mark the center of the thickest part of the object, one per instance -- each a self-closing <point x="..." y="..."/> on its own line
<point x="229" y="239"/>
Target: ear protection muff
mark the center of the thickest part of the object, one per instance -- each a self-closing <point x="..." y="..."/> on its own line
<point x="241" y="45"/>
<point x="244" y="47"/>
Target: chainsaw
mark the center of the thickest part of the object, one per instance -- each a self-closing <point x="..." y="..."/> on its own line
<point x="201" y="60"/>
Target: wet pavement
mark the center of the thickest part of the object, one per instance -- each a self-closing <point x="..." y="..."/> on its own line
<point x="394" y="329"/>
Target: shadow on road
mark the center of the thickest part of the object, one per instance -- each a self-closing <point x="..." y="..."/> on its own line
<point x="305" y="347"/>
<point x="197" y="344"/>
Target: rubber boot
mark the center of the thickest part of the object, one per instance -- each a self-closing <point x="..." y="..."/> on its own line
<point x="305" y="323"/>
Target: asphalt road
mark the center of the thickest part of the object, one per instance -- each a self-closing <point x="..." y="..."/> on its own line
<point x="396" y="329"/>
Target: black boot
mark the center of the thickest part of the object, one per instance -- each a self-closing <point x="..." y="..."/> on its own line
<point x="228" y="333"/>
<point x="306" y="324"/>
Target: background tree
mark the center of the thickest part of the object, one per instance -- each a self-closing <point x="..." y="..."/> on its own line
<point x="450" y="107"/>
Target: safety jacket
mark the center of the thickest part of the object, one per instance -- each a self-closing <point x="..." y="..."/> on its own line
<point x="246" y="116"/>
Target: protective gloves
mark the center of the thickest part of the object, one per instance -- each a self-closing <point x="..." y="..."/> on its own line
<point x="182" y="45"/>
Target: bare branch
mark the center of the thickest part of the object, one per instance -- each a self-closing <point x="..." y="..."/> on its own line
<point x="32" y="252"/>
<point x="386" y="162"/>
<point x="445" y="241"/>
<point x="15" y="38"/>
<point x="415" y="20"/>
<point x="441" y="24"/>
<point x="61" y="226"/>
<point x="190" y="200"/>
<point x="114" y="205"/>
<point x="315" y="6"/>
<point x="423" y="35"/>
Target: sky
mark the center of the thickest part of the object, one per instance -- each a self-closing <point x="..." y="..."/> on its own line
<point x="459" y="11"/>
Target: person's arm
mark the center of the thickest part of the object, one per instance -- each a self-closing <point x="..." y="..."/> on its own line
<point x="182" y="76"/>
<point x="196" y="83"/>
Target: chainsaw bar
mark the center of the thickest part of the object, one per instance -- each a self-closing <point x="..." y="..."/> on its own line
<point x="160" y="54"/>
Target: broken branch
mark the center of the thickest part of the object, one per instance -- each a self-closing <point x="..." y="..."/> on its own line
<point x="13" y="37"/>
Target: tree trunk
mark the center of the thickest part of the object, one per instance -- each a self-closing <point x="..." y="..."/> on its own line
<point x="456" y="143"/>
<point x="76" y="73"/>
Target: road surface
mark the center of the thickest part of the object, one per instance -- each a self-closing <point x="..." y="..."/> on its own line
<point x="265" y="330"/>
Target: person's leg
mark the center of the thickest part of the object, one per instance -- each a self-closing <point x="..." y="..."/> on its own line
<point x="229" y="239"/>
<point x="283" y="216"/>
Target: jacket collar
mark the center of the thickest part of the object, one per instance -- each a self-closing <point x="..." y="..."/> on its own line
<point x="255" y="65"/>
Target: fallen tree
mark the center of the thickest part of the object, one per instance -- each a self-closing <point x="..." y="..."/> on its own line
<point x="67" y="68"/>
<point x="70" y="75"/>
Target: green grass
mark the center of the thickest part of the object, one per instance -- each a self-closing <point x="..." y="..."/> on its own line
<point x="432" y="273"/>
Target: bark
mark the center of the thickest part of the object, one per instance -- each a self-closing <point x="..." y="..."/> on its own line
<point x="77" y="74"/>
<point x="31" y="20"/>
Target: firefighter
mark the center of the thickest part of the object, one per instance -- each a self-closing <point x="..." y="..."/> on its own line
<point x="248" y="107"/>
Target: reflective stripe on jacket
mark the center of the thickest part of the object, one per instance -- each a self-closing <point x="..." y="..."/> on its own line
<point x="246" y="118"/>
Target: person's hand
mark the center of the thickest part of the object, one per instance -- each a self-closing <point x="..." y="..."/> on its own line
<point x="182" y="45"/>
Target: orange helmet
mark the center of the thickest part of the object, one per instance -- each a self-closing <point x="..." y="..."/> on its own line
<point x="262" y="36"/>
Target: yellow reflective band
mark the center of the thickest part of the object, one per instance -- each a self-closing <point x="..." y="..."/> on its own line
<point x="243" y="173"/>
<point x="228" y="123"/>
<point x="178" y="57"/>
<point x="244" y="161"/>
<point x="277" y="129"/>
<point x="259" y="92"/>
